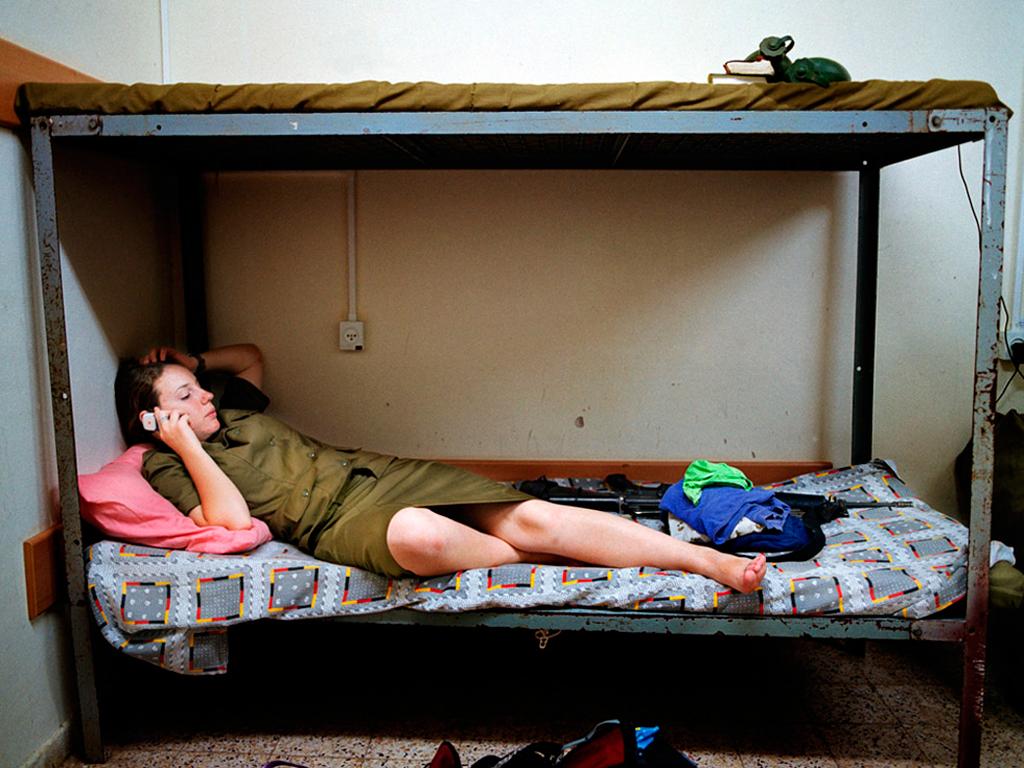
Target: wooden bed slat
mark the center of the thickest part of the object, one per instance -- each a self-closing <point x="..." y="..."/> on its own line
<point x="759" y="472"/>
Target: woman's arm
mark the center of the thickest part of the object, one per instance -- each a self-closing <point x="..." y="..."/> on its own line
<point x="220" y="501"/>
<point x="242" y="360"/>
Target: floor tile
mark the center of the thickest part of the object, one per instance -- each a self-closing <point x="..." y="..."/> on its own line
<point x="137" y="758"/>
<point x="848" y="703"/>
<point x="1002" y="743"/>
<point x="872" y="746"/>
<point x="999" y="712"/>
<point x="773" y="760"/>
<point x="338" y="745"/>
<point x="152" y="736"/>
<point x="792" y="747"/>
<point x="324" y="761"/>
<point x="115" y="759"/>
<point x="217" y="760"/>
<point x="716" y="759"/>
<point x="934" y="704"/>
<point x="400" y="752"/>
<point x="938" y="744"/>
<point x="901" y="663"/>
<point x="231" y="743"/>
<point x="471" y="751"/>
<point x="833" y="664"/>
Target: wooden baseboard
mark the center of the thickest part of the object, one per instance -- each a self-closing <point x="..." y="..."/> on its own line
<point x="759" y="472"/>
<point x="43" y="569"/>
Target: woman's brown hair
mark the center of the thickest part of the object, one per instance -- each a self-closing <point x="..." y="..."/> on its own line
<point x="135" y="391"/>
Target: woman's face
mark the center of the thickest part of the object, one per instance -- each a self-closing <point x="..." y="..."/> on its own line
<point x="178" y="390"/>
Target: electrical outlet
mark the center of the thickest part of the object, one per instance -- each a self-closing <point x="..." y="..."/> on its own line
<point x="351" y="336"/>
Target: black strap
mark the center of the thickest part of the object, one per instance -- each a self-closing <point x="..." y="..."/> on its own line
<point x="540" y="754"/>
<point x="812" y="522"/>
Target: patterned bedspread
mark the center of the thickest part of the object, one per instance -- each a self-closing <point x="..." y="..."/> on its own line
<point x="172" y="607"/>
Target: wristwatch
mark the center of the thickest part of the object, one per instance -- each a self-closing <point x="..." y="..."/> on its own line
<point x="200" y="363"/>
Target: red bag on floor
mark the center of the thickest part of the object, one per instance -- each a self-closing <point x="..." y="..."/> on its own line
<point x="610" y="744"/>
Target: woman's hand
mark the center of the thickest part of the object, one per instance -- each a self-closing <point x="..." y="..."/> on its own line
<point x="174" y="429"/>
<point x="168" y="355"/>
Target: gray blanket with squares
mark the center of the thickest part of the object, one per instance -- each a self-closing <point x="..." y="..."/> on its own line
<point x="172" y="608"/>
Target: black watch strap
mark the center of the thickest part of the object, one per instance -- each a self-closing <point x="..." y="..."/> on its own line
<point x="200" y="363"/>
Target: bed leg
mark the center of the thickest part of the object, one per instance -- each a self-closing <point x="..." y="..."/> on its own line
<point x="972" y="700"/>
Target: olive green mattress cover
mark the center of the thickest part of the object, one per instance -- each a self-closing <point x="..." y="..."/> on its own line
<point x="373" y="96"/>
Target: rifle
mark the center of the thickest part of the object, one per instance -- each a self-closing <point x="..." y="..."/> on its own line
<point x="829" y="508"/>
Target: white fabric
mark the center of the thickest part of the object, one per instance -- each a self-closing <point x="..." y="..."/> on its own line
<point x="1000" y="553"/>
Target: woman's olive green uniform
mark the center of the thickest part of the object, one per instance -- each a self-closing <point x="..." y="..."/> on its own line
<point x="335" y="504"/>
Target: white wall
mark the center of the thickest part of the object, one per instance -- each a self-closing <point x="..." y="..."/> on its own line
<point x="35" y="675"/>
<point x="115" y="40"/>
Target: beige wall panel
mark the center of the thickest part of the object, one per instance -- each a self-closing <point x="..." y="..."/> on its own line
<point x="547" y="314"/>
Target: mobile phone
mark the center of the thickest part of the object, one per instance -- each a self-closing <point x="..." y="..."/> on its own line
<point x="149" y="421"/>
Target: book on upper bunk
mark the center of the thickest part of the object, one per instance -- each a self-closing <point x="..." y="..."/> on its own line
<point x="724" y="78"/>
<point x="744" y="67"/>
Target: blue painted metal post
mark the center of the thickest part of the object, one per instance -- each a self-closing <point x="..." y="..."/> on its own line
<point x="64" y="438"/>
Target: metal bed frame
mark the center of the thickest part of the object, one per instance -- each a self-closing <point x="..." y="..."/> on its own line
<point x="856" y="141"/>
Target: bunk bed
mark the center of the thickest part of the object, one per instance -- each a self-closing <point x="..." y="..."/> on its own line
<point x="850" y="127"/>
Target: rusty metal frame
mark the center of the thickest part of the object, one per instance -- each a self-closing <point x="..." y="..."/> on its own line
<point x="667" y="622"/>
<point x="990" y="280"/>
<point x="64" y="438"/>
<point x="963" y="125"/>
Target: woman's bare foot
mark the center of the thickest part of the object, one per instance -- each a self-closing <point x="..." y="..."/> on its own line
<point x="743" y="574"/>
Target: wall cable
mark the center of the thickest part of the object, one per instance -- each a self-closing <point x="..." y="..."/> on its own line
<point x="351" y="201"/>
<point x="1003" y="309"/>
<point x="165" y="42"/>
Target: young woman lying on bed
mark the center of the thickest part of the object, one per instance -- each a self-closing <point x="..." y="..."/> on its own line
<point x="394" y="516"/>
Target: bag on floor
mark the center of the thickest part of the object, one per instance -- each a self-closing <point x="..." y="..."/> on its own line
<point x="609" y="745"/>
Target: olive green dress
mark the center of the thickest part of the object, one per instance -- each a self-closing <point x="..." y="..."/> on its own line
<point x="334" y="504"/>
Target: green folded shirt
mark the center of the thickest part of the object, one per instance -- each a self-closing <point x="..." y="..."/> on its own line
<point x="702" y="473"/>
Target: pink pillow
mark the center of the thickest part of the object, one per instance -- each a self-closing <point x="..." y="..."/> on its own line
<point x="120" y="502"/>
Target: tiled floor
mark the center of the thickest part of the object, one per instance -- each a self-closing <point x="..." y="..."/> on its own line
<point x="372" y="701"/>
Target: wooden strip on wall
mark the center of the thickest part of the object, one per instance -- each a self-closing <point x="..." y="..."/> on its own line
<point x="759" y="472"/>
<point x="19" y="65"/>
<point x="43" y="569"/>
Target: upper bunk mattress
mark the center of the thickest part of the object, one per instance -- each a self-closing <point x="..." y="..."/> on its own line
<point x="373" y="96"/>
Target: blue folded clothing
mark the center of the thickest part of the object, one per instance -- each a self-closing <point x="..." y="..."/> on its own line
<point x="794" y="539"/>
<point x="722" y="507"/>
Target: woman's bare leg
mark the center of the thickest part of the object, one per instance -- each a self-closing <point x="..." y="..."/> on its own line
<point x="429" y="544"/>
<point x="603" y="539"/>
